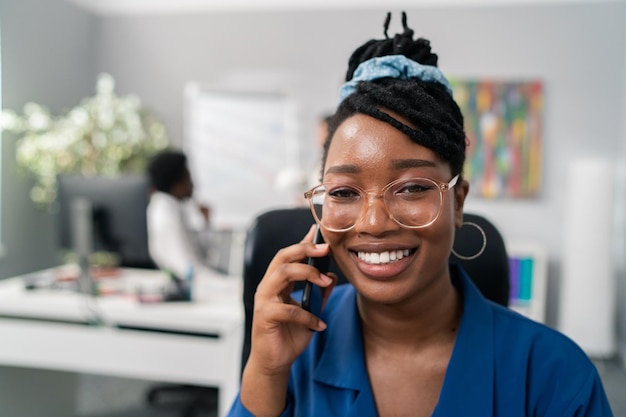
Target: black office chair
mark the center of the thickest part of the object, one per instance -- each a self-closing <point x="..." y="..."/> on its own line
<point x="490" y="270"/>
<point x="188" y="400"/>
<point x="270" y="232"/>
<point x="278" y="228"/>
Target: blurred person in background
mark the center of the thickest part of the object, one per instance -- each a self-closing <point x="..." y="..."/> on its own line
<point x="177" y="225"/>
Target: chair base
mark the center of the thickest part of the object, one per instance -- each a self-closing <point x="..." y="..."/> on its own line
<point x="192" y="400"/>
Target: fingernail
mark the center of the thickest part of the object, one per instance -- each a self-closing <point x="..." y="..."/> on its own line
<point x="326" y="278"/>
<point x="321" y="326"/>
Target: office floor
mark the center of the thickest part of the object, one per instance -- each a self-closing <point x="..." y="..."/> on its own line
<point x="101" y="396"/>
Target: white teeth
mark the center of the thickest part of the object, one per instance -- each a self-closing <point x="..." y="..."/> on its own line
<point x="383" y="257"/>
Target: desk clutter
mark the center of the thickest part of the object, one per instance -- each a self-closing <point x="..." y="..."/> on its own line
<point x="112" y="282"/>
<point x="51" y="330"/>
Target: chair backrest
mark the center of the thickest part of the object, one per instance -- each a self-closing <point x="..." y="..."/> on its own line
<point x="490" y="270"/>
<point x="279" y="228"/>
<point x="270" y="232"/>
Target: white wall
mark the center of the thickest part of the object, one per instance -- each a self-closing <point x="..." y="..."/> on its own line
<point x="620" y="246"/>
<point x="47" y="56"/>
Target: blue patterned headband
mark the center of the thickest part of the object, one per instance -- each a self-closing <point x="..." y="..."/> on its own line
<point x="393" y="66"/>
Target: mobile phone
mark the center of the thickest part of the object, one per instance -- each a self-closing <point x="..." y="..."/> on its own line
<point x="312" y="294"/>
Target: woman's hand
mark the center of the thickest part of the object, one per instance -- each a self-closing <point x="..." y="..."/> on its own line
<point x="281" y="328"/>
<point x="205" y="211"/>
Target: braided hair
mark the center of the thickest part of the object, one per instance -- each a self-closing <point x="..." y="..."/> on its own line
<point x="426" y="105"/>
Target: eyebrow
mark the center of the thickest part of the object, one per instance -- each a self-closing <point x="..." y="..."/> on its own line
<point x="411" y="163"/>
<point x="396" y="164"/>
<point x="343" y="169"/>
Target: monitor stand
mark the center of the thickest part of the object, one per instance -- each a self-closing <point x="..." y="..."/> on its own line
<point x="82" y="240"/>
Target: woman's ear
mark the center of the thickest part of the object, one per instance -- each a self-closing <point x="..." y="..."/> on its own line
<point x="460" y="192"/>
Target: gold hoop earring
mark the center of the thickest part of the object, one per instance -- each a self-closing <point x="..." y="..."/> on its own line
<point x="482" y="249"/>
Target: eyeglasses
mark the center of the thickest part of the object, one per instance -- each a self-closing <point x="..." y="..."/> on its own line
<point x="412" y="203"/>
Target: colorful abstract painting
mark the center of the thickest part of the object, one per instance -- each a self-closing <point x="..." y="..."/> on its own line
<point x="503" y="123"/>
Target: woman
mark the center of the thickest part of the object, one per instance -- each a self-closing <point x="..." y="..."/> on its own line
<point x="176" y="223"/>
<point x="410" y="335"/>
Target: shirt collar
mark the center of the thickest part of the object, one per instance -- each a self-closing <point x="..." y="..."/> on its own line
<point x="470" y="374"/>
<point x="470" y="377"/>
<point x="342" y="363"/>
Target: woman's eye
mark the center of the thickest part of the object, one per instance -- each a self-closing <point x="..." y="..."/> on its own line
<point x="413" y="188"/>
<point x="343" y="194"/>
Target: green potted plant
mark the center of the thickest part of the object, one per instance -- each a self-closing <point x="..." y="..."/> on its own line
<point x="105" y="135"/>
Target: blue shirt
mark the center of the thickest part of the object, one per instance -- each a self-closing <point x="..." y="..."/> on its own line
<point x="503" y="364"/>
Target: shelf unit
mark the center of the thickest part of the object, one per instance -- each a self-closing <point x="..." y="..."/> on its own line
<point x="529" y="273"/>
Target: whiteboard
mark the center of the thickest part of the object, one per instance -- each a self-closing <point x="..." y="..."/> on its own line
<point x="242" y="150"/>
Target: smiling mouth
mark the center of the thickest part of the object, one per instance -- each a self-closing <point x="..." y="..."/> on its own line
<point x="377" y="258"/>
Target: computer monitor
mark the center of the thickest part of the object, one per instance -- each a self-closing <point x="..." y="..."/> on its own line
<point x="118" y="215"/>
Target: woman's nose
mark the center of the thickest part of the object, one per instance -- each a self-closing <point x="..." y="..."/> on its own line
<point x="375" y="218"/>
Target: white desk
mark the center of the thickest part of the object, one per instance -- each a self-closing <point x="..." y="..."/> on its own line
<point x="195" y="342"/>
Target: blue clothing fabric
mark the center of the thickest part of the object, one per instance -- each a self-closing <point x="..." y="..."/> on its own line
<point x="503" y="364"/>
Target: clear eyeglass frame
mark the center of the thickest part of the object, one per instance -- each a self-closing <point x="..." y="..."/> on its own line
<point x="441" y="186"/>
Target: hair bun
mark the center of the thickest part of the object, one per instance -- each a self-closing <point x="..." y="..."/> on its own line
<point x="418" y="50"/>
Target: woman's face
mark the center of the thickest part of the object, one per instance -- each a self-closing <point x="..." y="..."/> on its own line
<point x="369" y="153"/>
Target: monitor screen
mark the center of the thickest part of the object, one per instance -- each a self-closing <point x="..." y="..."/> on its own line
<point x="118" y="207"/>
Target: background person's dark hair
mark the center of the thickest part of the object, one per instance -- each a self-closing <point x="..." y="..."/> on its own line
<point x="166" y="169"/>
<point x="426" y="105"/>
